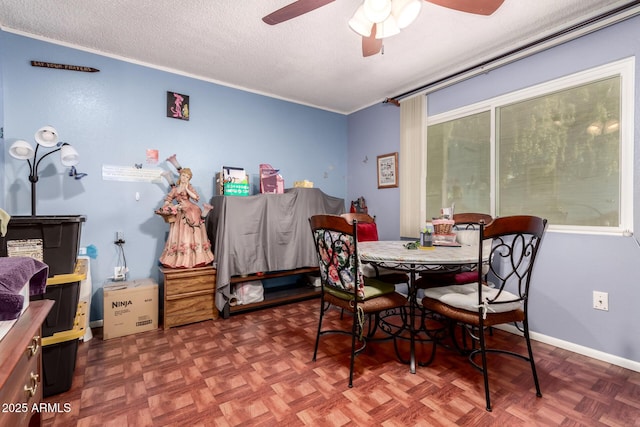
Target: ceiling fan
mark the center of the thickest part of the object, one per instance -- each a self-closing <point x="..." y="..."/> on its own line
<point x="375" y="28"/>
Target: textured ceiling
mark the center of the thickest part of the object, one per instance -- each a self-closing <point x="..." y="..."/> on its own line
<point x="314" y="59"/>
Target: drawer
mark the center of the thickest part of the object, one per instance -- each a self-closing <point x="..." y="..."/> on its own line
<point x="189" y="310"/>
<point x="197" y="304"/>
<point x="23" y="388"/>
<point x="185" y="284"/>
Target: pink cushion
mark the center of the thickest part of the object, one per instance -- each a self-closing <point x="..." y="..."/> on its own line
<point x="466" y="277"/>
<point x="430" y="280"/>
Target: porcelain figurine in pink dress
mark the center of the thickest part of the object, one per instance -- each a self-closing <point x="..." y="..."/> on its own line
<point x="187" y="245"/>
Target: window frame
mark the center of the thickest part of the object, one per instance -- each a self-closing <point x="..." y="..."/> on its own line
<point x="625" y="69"/>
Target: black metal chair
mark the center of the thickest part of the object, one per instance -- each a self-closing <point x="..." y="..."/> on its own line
<point x="502" y="295"/>
<point x="466" y="227"/>
<point x="367" y="232"/>
<point x="344" y="286"/>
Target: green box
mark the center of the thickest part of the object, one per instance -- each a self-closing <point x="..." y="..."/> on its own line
<point x="236" y="189"/>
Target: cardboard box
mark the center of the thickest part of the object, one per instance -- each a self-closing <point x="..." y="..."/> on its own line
<point x="233" y="189"/>
<point x="303" y="184"/>
<point x="270" y="180"/>
<point x="130" y="307"/>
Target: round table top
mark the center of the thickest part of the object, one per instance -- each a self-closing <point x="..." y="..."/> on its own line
<point x="394" y="252"/>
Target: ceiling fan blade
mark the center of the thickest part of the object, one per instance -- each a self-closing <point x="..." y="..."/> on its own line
<point x="478" y="7"/>
<point x="371" y="45"/>
<point x="293" y="10"/>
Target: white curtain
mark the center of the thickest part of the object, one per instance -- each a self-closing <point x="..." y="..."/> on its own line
<point x="413" y="117"/>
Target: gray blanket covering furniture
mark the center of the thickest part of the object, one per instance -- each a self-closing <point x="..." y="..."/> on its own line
<point x="265" y="232"/>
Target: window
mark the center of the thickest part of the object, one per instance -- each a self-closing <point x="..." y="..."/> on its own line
<point x="458" y="159"/>
<point x="561" y="150"/>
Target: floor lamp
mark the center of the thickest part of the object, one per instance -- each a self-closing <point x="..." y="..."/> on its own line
<point x="46" y="137"/>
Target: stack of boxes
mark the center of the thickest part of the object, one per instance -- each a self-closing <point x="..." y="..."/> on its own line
<point x="63" y="328"/>
<point x="54" y="240"/>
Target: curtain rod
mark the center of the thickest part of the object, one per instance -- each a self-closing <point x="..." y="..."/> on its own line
<point x="585" y="27"/>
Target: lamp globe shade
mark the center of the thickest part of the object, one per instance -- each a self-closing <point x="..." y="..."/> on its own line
<point x="21" y="150"/>
<point x="69" y="156"/>
<point x="47" y="136"/>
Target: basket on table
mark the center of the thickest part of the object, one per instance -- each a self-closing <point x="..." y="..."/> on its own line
<point x="443" y="226"/>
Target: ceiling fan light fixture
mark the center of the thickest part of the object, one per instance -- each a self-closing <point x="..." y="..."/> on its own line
<point x="387" y="28"/>
<point x="360" y="24"/>
<point x="377" y="11"/>
<point x="405" y="11"/>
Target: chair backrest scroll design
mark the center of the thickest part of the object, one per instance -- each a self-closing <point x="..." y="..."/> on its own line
<point x="336" y="245"/>
<point x="515" y="244"/>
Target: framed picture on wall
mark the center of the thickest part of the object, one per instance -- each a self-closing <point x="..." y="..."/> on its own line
<point x="177" y="106"/>
<point x="388" y="170"/>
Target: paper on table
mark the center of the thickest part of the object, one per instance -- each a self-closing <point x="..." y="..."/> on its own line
<point x="446" y="243"/>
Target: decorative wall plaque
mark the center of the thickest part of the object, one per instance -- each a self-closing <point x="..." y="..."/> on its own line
<point x="177" y="106"/>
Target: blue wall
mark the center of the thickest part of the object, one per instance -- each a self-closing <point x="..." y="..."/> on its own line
<point x="113" y="116"/>
<point x="372" y="132"/>
<point x="570" y="266"/>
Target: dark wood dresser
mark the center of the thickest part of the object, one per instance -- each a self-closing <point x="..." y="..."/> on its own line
<point x="21" y="368"/>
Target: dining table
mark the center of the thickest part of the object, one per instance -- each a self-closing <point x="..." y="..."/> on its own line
<point x="410" y="257"/>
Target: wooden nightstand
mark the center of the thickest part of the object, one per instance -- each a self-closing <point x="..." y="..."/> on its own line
<point x="189" y="295"/>
<point x="21" y="375"/>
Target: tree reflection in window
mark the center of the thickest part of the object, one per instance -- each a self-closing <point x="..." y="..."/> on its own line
<point x="557" y="156"/>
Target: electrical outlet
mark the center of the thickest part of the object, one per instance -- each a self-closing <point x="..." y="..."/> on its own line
<point x="601" y="300"/>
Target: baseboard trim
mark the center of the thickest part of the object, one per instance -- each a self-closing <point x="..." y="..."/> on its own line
<point x="576" y="348"/>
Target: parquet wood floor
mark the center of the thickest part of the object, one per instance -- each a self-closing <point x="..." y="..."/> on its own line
<point x="255" y="369"/>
